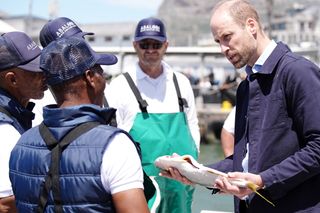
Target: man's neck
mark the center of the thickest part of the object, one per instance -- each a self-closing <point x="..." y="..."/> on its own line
<point x="152" y="71"/>
<point x="262" y="45"/>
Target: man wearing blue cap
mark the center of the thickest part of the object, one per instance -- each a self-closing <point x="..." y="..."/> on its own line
<point x="76" y="163"/>
<point x="61" y="27"/>
<point x="156" y="106"/>
<point x="20" y="80"/>
<point x="55" y="29"/>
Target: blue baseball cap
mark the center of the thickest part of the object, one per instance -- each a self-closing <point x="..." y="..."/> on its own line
<point x="150" y="28"/>
<point x="17" y="49"/>
<point x="70" y="57"/>
<point x="61" y="27"/>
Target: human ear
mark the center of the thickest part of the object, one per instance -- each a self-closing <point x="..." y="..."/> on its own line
<point x="165" y="44"/>
<point x="251" y="25"/>
<point x="11" y="78"/>
<point x="89" y="76"/>
<point x="135" y="44"/>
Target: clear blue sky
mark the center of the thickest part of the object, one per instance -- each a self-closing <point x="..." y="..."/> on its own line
<point x="86" y="11"/>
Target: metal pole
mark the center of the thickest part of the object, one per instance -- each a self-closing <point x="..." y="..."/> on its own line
<point x="28" y="21"/>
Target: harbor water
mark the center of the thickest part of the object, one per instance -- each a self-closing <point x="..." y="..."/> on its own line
<point x="203" y="200"/>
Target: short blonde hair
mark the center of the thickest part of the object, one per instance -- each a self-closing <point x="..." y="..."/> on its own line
<point x="239" y="10"/>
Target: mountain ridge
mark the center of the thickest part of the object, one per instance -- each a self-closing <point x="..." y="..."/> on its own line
<point x="187" y="21"/>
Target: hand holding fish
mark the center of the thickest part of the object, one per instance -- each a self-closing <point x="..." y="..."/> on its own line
<point x="171" y="172"/>
<point x="174" y="173"/>
<point x="237" y="183"/>
<point x="188" y="171"/>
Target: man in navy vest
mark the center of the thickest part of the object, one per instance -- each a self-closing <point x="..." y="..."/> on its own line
<point x="55" y="29"/>
<point x="20" y="80"/>
<point x="64" y="165"/>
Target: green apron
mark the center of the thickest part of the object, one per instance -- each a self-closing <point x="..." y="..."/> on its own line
<point x="164" y="134"/>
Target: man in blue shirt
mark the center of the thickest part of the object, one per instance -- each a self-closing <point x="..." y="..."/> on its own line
<point x="277" y="130"/>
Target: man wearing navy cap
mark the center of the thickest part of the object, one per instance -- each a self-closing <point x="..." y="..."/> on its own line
<point x="20" y="80"/>
<point x="61" y="27"/>
<point x="76" y="163"/>
<point x="156" y="106"/>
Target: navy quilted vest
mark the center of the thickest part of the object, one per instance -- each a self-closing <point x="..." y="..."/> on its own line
<point x="80" y="182"/>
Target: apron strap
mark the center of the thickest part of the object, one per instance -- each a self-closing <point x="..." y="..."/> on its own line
<point x="182" y="101"/>
<point x="112" y="121"/>
<point x="142" y="103"/>
<point x="56" y="148"/>
<point x="105" y="102"/>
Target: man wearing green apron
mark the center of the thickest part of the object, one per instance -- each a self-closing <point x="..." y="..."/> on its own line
<point x="156" y="106"/>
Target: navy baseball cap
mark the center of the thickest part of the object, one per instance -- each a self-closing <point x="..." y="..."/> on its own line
<point x="150" y="28"/>
<point x="61" y="27"/>
<point x="17" y="49"/>
<point x="70" y="57"/>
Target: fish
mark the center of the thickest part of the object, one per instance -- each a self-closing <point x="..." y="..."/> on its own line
<point x="200" y="174"/>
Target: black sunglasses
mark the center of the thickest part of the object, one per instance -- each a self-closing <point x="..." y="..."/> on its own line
<point x="147" y="45"/>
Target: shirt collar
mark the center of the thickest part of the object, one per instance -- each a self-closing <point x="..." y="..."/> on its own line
<point x="23" y="115"/>
<point x="142" y="75"/>
<point x="263" y="57"/>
